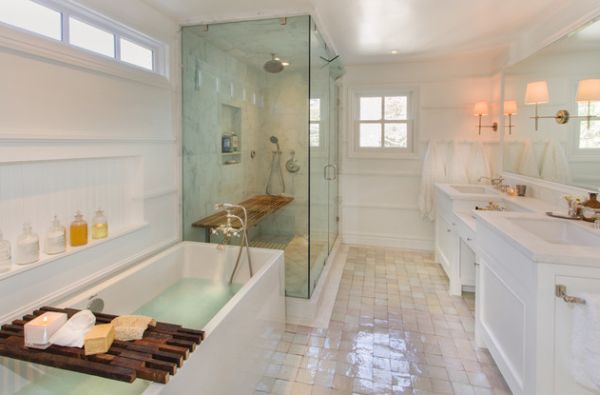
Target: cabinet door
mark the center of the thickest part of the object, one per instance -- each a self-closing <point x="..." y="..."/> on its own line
<point x="445" y="236"/>
<point x="467" y="264"/>
<point x="564" y="383"/>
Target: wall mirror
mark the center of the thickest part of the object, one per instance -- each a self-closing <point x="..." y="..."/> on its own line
<point x="561" y="84"/>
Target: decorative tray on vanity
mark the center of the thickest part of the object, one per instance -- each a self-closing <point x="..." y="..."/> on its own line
<point x="556" y="215"/>
<point x="157" y="356"/>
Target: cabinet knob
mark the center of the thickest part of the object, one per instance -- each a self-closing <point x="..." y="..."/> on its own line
<point x="448" y="230"/>
<point x="469" y="239"/>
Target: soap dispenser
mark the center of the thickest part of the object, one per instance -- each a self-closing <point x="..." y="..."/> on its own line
<point x="28" y="246"/>
<point x="79" y="231"/>
<point x="56" y="238"/>
<point x="99" y="226"/>
<point x="4" y="254"/>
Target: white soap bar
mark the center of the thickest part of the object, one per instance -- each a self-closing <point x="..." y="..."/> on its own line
<point x="39" y="330"/>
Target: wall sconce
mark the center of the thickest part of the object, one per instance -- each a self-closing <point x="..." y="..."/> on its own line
<point x="481" y="108"/>
<point x="588" y="91"/>
<point x="537" y="93"/>
<point x="510" y="109"/>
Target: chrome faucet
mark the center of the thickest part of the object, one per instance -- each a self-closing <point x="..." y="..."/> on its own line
<point x="495" y="181"/>
<point x="228" y="230"/>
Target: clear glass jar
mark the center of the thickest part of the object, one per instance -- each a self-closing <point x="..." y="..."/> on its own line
<point x="56" y="238"/>
<point x="5" y="257"/>
<point x="28" y="246"/>
<point x="79" y="231"/>
<point x="99" y="226"/>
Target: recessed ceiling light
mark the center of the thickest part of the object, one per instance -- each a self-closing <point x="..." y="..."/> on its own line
<point x="394" y="52"/>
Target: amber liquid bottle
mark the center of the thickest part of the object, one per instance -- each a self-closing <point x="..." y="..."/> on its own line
<point x="79" y="231"/>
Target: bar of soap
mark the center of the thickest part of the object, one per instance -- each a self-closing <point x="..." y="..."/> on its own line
<point x="99" y="339"/>
<point x="131" y="327"/>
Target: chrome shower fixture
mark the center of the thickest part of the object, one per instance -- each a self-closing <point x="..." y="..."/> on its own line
<point x="275" y="65"/>
<point x="275" y="141"/>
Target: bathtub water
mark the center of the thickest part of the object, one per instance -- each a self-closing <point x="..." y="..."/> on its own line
<point x="242" y="321"/>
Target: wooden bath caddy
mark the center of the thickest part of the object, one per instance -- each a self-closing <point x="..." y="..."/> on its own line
<point x="154" y="358"/>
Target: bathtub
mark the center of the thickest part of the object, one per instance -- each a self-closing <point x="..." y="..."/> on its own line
<point x="187" y="282"/>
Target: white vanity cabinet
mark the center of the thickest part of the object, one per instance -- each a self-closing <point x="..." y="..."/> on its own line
<point x="525" y="326"/>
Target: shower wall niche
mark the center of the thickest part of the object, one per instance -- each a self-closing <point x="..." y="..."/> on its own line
<point x="252" y="83"/>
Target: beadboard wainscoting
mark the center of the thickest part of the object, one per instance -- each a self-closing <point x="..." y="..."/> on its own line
<point x="80" y="137"/>
<point x="379" y="194"/>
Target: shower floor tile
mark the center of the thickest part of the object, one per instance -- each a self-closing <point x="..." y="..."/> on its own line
<point x="394" y="330"/>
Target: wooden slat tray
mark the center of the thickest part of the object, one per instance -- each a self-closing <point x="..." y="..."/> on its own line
<point x="258" y="208"/>
<point x="156" y="357"/>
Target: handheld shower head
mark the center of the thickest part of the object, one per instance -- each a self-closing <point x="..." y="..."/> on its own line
<point x="275" y="141"/>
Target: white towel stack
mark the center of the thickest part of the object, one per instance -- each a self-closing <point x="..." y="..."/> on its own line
<point x="585" y="342"/>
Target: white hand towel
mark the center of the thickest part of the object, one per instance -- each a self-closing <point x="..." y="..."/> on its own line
<point x="528" y="164"/>
<point x="479" y="165"/>
<point x="433" y="171"/>
<point x="456" y="165"/>
<point x="585" y="342"/>
<point x="72" y="333"/>
<point x="555" y="166"/>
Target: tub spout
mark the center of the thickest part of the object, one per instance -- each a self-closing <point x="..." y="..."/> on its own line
<point x="228" y="231"/>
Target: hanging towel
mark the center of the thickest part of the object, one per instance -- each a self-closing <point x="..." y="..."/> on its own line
<point x="585" y="342"/>
<point x="456" y="165"/>
<point x="528" y="164"/>
<point x="433" y="171"/>
<point x="479" y="165"/>
<point x="555" y="166"/>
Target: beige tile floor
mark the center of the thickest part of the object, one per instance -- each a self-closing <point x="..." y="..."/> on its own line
<point x="394" y="330"/>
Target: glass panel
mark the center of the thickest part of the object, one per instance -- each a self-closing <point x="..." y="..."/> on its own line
<point x="136" y="54"/>
<point x="315" y="135"/>
<point x="32" y="16"/>
<point x="333" y="154"/>
<point x="236" y="141"/>
<point x="395" y="108"/>
<point x="396" y="135"/>
<point x="370" y="135"/>
<point x="589" y="135"/>
<point x="370" y="108"/>
<point x="91" y="38"/>
<point x="315" y="109"/>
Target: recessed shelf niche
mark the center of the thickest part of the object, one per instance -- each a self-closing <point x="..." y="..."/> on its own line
<point x="231" y="128"/>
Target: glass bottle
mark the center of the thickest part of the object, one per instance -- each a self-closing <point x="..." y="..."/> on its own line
<point x="4" y="254"/>
<point x="591" y="208"/>
<point x="99" y="225"/>
<point x="28" y="246"/>
<point x="56" y="238"/>
<point x="79" y="231"/>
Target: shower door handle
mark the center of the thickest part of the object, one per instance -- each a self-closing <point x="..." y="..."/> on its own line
<point x="326" y="175"/>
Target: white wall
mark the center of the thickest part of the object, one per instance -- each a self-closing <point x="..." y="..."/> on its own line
<point x="379" y="196"/>
<point x="56" y="107"/>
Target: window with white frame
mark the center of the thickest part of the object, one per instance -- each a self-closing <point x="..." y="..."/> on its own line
<point x="383" y="122"/>
<point x="589" y="133"/>
<point x="78" y="27"/>
<point x="315" y="122"/>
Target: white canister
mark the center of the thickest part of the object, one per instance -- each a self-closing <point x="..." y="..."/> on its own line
<point x="27" y="249"/>
<point x="56" y="238"/>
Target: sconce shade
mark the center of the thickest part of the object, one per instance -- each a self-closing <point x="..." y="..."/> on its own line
<point x="481" y="108"/>
<point x="537" y="93"/>
<point x="510" y="107"/>
<point x="588" y="90"/>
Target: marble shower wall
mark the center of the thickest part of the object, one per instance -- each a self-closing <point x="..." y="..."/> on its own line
<point x="212" y="78"/>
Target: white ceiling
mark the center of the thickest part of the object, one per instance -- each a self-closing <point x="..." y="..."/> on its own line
<point x="367" y="31"/>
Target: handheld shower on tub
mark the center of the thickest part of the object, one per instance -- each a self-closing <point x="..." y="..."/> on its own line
<point x="275" y="166"/>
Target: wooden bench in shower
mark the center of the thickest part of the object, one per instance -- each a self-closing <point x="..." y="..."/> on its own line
<point x="259" y="207"/>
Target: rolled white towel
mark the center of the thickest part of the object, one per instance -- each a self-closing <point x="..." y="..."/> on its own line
<point x="72" y="333"/>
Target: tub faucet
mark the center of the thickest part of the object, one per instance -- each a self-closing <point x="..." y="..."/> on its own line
<point x="228" y="231"/>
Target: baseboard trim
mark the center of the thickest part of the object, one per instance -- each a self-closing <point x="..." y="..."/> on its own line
<point x="411" y="243"/>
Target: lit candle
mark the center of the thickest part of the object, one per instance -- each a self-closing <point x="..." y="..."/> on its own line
<point x="39" y="330"/>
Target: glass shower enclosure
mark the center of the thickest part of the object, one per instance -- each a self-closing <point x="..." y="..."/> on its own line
<point x="260" y="127"/>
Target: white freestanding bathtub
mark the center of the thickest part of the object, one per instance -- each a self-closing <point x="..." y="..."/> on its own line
<point x="186" y="283"/>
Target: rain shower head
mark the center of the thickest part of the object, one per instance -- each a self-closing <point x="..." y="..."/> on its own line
<point x="275" y="65"/>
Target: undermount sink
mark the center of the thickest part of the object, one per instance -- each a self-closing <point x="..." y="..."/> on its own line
<point x="474" y="189"/>
<point x="559" y="232"/>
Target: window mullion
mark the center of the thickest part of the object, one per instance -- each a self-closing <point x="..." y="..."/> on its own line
<point x="65" y="31"/>
<point x="117" y="37"/>
<point x="382" y="121"/>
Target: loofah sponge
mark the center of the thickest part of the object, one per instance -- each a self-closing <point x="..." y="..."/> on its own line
<point x="131" y="327"/>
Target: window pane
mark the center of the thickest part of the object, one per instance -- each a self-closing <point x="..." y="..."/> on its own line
<point x="395" y="135"/>
<point x="370" y="135"/>
<point x="315" y="109"/>
<point x="91" y="38"/>
<point x="370" y="108"/>
<point x="315" y="135"/>
<point x="31" y="16"/>
<point x="395" y="108"/>
<point x="589" y="138"/>
<point x="136" y="54"/>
